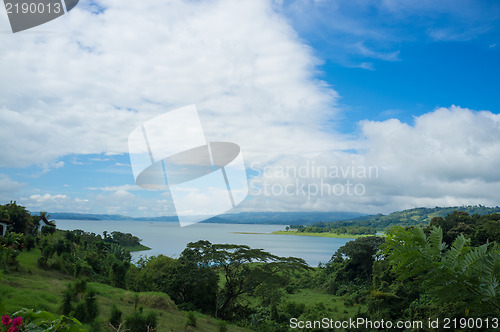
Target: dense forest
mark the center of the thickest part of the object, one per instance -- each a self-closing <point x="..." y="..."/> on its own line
<point x="446" y="272"/>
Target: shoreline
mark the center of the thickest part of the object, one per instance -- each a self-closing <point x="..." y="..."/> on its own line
<point x="332" y="235"/>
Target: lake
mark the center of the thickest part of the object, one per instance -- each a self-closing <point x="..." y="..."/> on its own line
<point x="169" y="239"/>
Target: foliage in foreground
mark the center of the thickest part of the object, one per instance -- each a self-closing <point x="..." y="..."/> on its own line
<point x="460" y="278"/>
<point x="37" y="321"/>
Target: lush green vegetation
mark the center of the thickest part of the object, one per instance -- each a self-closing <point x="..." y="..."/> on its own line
<point x="449" y="268"/>
<point x="370" y="225"/>
<point x="319" y="234"/>
<point x="335" y="228"/>
<point x="329" y="229"/>
<point x="414" y="217"/>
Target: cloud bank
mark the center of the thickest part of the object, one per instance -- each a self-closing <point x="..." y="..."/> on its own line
<point x="85" y="81"/>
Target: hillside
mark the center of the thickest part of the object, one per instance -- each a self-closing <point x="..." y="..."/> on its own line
<point x="415" y="216"/>
<point x="33" y="287"/>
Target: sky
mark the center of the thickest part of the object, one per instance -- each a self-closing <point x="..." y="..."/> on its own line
<point x="362" y="106"/>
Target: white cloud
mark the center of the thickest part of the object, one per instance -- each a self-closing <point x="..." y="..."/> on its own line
<point x="8" y="186"/>
<point x="83" y="88"/>
<point x="45" y="202"/>
<point x="447" y="144"/>
<point x="449" y="156"/>
<point x="47" y="198"/>
<point x="125" y="187"/>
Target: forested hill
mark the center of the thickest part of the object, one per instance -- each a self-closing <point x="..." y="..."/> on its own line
<point x="277" y="218"/>
<point x="416" y="216"/>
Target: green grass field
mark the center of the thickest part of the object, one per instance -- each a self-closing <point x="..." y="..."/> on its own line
<point x="334" y="304"/>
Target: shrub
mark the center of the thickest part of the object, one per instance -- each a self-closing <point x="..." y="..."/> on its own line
<point x="8" y="258"/>
<point x="81" y="311"/>
<point x="190" y="320"/>
<point x="66" y="306"/>
<point x="91" y="305"/>
<point x="82" y="269"/>
<point x="139" y="322"/>
<point x="115" y="317"/>
<point x="48" y="230"/>
<point x="222" y="326"/>
<point x="29" y="242"/>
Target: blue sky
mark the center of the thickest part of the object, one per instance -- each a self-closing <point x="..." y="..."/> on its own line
<point x="417" y="56"/>
<point x="409" y="87"/>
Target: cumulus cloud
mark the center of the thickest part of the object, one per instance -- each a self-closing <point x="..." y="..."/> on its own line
<point x="47" y="197"/>
<point x="83" y="88"/>
<point x="46" y="202"/>
<point x="446" y="157"/>
<point x="8" y="186"/>
<point x="449" y="144"/>
<point x="449" y="156"/>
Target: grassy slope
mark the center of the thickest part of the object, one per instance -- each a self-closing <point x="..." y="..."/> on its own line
<point x="335" y="304"/>
<point x="32" y="287"/>
<point x="419" y="216"/>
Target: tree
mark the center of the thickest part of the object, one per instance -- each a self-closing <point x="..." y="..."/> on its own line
<point x="351" y="266"/>
<point x="19" y="218"/>
<point x="243" y="269"/>
<point x="360" y="255"/>
<point x="452" y="225"/>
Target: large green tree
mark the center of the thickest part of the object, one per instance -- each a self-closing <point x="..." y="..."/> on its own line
<point x="244" y="269"/>
<point x="351" y="265"/>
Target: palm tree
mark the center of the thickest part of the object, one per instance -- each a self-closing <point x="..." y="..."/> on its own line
<point x="45" y="218"/>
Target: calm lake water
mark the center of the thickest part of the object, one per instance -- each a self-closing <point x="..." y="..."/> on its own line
<point x="169" y="239"/>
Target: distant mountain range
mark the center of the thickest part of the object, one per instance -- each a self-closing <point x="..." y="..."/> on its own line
<point x="278" y="218"/>
<point x="416" y="216"/>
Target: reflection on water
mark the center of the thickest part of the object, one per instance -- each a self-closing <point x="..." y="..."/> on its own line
<point x="169" y="239"/>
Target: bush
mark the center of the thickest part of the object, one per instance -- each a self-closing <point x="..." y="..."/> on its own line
<point x="91" y="305"/>
<point x="190" y="320"/>
<point x="294" y="309"/>
<point x="66" y="306"/>
<point x="81" y="311"/>
<point x="29" y="242"/>
<point x="139" y="322"/>
<point x="48" y="230"/>
<point x="8" y="258"/>
<point x="82" y="269"/>
<point x="116" y="316"/>
<point x="222" y="326"/>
